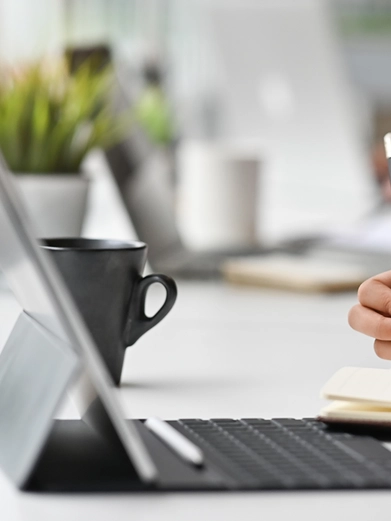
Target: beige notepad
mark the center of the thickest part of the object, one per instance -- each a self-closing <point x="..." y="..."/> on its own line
<point x="294" y="272"/>
<point x="359" y="395"/>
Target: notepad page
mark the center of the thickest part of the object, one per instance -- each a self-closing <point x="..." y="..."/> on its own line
<point x="356" y="411"/>
<point x="358" y="384"/>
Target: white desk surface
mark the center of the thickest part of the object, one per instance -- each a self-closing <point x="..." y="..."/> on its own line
<point x="223" y="351"/>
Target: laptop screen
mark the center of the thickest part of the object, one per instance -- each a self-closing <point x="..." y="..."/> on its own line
<point x="47" y="347"/>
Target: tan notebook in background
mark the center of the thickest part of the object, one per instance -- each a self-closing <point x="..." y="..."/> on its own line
<point x="294" y="273"/>
<point x="359" y="395"/>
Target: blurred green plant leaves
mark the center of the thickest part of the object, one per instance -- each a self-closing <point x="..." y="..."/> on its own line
<point x="50" y="119"/>
<point x="152" y="112"/>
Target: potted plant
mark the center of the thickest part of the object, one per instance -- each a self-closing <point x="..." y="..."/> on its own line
<point x="50" y="119"/>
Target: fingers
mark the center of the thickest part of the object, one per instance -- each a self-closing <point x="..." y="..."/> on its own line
<point x="370" y="322"/>
<point x="383" y="349"/>
<point x="375" y="293"/>
<point x="373" y="315"/>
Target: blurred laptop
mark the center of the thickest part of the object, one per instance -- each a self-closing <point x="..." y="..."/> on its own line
<point x="149" y="199"/>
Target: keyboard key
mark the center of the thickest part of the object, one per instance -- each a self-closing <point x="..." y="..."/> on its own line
<point x="256" y="421"/>
<point x="289" y="422"/>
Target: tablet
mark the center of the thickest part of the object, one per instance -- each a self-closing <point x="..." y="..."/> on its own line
<point x="49" y="347"/>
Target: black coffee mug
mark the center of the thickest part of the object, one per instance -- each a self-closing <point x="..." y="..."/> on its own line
<point x="105" y="280"/>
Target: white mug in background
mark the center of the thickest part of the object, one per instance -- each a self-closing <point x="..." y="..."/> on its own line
<point x="217" y="194"/>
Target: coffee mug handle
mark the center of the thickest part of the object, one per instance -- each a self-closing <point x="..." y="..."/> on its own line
<point x="139" y="322"/>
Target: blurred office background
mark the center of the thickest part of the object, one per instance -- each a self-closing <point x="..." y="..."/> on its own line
<point x="275" y="111"/>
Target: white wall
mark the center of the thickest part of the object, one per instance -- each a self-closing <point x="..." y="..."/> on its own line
<point x="28" y="29"/>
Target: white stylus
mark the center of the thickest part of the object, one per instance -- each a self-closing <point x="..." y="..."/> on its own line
<point x="186" y="449"/>
<point x="387" y="145"/>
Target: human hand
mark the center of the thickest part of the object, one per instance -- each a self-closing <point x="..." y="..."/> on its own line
<point x="372" y="316"/>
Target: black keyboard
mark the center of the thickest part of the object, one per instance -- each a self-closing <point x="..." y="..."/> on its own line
<point x="286" y="453"/>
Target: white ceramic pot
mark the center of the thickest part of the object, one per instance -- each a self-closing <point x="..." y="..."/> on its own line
<point x="56" y="202"/>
